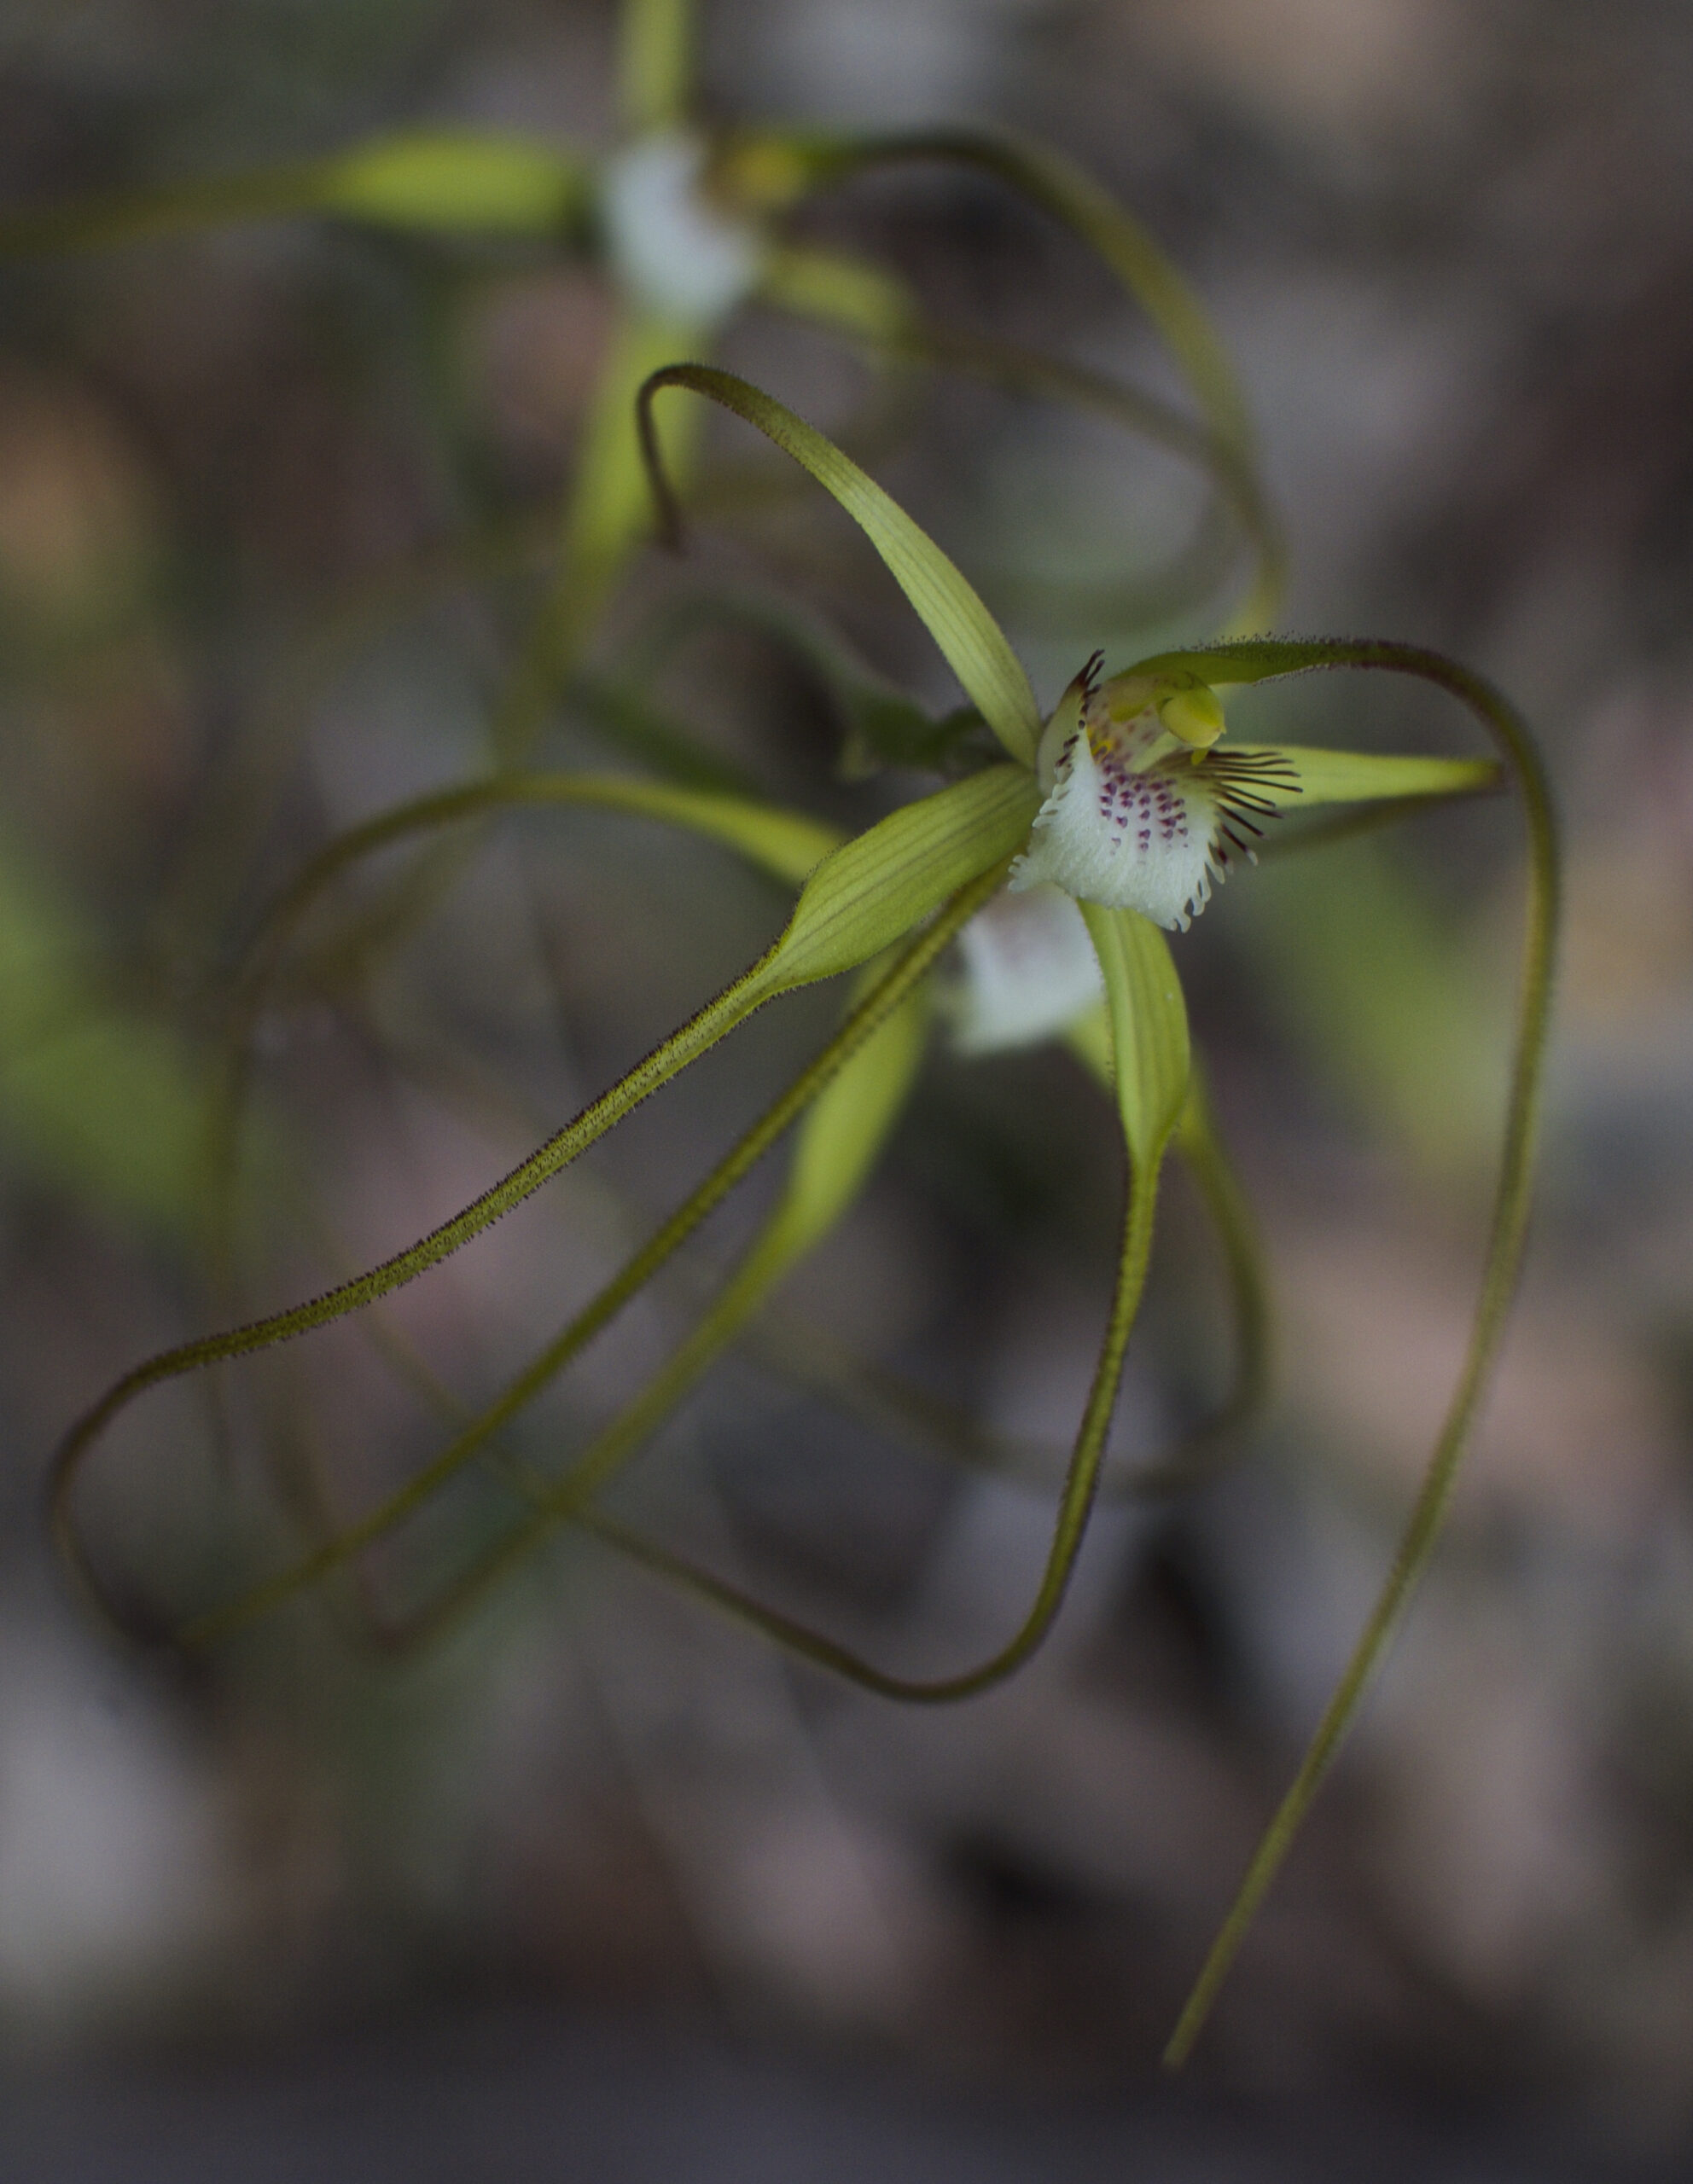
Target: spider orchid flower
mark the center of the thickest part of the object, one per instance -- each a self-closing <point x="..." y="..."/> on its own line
<point x="1111" y="817"/>
<point x="1141" y="810"/>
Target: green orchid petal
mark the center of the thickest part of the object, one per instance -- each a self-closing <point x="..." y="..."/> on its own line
<point x="974" y="645"/>
<point x="846" y="293"/>
<point x="1151" y="1061"/>
<point x="1309" y="776"/>
<point x="456" y="182"/>
<point x="435" y="181"/>
<point x="872" y="889"/>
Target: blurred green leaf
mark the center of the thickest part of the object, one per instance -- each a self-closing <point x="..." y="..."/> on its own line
<point x="94" y="1099"/>
<point x="1378" y="988"/>
<point x="655" y="39"/>
<point x="455" y="182"/>
<point x="442" y="181"/>
<point x="844" y="292"/>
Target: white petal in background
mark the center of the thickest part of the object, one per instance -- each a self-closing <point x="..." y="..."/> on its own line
<point x="1028" y="971"/>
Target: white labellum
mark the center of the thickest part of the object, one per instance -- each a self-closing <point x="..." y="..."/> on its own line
<point x="1131" y="821"/>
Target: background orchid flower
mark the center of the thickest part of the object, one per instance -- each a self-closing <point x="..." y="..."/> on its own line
<point x="689" y="222"/>
<point x="1092" y="798"/>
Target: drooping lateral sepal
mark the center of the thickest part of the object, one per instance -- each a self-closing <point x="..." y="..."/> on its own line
<point x="1151" y="1058"/>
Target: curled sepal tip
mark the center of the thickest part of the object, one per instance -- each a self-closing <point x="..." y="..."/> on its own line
<point x="1258" y="661"/>
<point x="974" y="647"/>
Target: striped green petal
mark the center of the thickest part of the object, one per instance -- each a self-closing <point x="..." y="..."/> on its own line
<point x="1305" y="776"/>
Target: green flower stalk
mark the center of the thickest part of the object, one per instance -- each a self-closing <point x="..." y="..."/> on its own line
<point x="1127" y="801"/>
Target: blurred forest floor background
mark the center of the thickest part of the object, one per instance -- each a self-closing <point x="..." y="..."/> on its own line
<point x="271" y="501"/>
